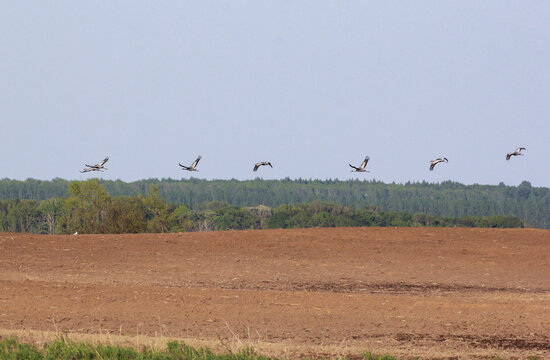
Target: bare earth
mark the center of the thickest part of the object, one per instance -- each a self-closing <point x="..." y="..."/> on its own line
<point x="464" y="293"/>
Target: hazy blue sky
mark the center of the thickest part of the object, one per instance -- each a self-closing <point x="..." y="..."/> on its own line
<point x="307" y="85"/>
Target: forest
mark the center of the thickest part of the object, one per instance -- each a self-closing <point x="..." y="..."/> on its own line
<point x="446" y="199"/>
<point x="89" y="207"/>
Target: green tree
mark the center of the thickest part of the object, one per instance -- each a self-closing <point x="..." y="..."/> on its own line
<point x="232" y="217"/>
<point x="51" y="210"/>
<point x="86" y="208"/>
<point x="126" y="214"/>
<point x="23" y="216"/>
<point x="181" y="219"/>
<point x="157" y="211"/>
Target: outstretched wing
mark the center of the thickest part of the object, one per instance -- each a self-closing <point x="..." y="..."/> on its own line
<point x="364" y="163"/>
<point x="90" y="169"/>
<point x="432" y="166"/>
<point x="196" y="162"/>
<point x="103" y="162"/>
<point x="356" y="168"/>
<point x="508" y="156"/>
<point x="183" y="166"/>
<point x="256" y="166"/>
<point x="270" y="165"/>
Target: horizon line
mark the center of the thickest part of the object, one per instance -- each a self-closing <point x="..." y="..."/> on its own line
<point x="282" y="179"/>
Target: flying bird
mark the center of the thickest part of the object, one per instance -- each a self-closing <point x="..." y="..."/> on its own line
<point x="193" y="165"/>
<point x="515" y="153"/>
<point x="96" y="167"/>
<point x="437" y="161"/>
<point x="263" y="163"/>
<point x="361" y="167"/>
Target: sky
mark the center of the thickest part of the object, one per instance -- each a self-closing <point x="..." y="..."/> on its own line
<point x="309" y="85"/>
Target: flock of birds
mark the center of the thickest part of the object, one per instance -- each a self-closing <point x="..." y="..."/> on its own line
<point x="361" y="168"/>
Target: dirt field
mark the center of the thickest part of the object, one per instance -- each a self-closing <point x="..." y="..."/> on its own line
<point x="464" y="293"/>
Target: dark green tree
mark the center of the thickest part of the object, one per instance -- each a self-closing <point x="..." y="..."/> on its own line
<point x="85" y="210"/>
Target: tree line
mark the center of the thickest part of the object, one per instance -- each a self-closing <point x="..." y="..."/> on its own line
<point x="447" y="199"/>
<point x="89" y="208"/>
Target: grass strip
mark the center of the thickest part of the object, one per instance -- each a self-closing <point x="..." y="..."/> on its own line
<point x="61" y="349"/>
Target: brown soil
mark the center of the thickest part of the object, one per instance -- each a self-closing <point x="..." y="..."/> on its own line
<point x="464" y="293"/>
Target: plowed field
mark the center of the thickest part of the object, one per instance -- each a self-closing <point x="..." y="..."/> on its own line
<point x="466" y="293"/>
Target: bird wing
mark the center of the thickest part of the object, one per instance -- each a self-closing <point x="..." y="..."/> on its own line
<point x="183" y="166"/>
<point x="432" y="165"/>
<point x="364" y="163"/>
<point x="256" y="166"/>
<point x="103" y="162"/>
<point x="196" y="162"/>
<point x="270" y="164"/>
<point x="508" y="156"/>
<point x="353" y="167"/>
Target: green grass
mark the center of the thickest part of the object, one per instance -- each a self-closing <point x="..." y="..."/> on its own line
<point x="369" y="356"/>
<point x="12" y="349"/>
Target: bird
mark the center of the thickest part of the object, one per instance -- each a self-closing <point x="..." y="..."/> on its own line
<point x="97" y="167"/>
<point x="257" y="165"/>
<point x="361" y="167"/>
<point x="193" y="165"/>
<point x="515" y="153"/>
<point x="437" y="161"/>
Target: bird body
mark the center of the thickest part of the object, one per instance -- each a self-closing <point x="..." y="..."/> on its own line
<point x="515" y="153"/>
<point x="361" y="167"/>
<point x="437" y="161"/>
<point x="193" y="165"/>
<point x="97" y="167"/>
<point x="262" y="163"/>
